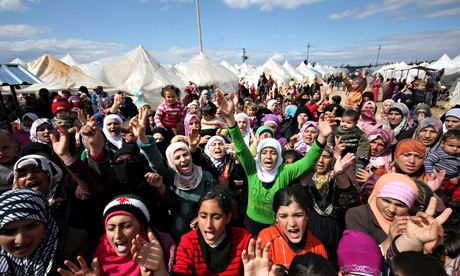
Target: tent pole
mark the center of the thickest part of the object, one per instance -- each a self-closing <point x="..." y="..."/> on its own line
<point x="200" y="40"/>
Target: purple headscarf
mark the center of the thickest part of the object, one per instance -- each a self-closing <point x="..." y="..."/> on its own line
<point x="300" y="146"/>
<point x="273" y="118"/>
<point x="189" y="118"/>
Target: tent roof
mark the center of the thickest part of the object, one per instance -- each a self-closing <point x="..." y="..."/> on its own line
<point x="15" y="74"/>
<point x="69" y="60"/>
<point x="292" y="71"/>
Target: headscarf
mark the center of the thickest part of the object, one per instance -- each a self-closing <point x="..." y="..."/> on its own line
<point x="262" y="129"/>
<point x="35" y="125"/>
<point x="359" y="254"/>
<point x="423" y="106"/>
<point x="218" y="163"/>
<point x="300" y="146"/>
<point x="404" y="111"/>
<point x="268" y="176"/>
<point x="454" y="112"/>
<point x="31" y="116"/>
<point x="246" y="132"/>
<point x="16" y="205"/>
<point x="436" y="124"/>
<point x="409" y="145"/>
<point x="115" y="140"/>
<point x="367" y="121"/>
<point x="407" y="191"/>
<point x="188" y="119"/>
<point x="38" y="161"/>
<point x="271" y="103"/>
<point x="290" y="111"/>
<point x="181" y="181"/>
<point x="277" y="133"/>
<point x="110" y="262"/>
<point x="385" y="156"/>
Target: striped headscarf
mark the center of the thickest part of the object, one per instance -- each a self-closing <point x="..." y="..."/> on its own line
<point x="16" y="205"/>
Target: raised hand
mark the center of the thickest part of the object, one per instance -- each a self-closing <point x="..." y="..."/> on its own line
<point x="61" y="144"/>
<point x="92" y="137"/>
<point x="194" y="139"/>
<point x="362" y="176"/>
<point x="326" y="126"/>
<point x="227" y="107"/>
<point x="138" y="125"/>
<point x="342" y="163"/>
<point x="398" y="226"/>
<point x="148" y="254"/>
<point x="83" y="270"/>
<point x="339" y="147"/>
<point x="435" y="180"/>
<point x="256" y="261"/>
<point x="155" y="180"/>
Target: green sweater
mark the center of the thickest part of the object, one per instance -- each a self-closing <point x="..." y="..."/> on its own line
<point x="260" y="200"/>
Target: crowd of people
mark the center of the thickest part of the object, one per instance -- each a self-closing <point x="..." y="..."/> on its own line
<point x="267" y="180"/>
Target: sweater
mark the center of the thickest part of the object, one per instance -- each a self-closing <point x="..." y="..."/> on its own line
<point x="280" y="251"/>
<point x="260" y="199"/>
<point x="169" y="115"/>
<point x="440" y="160"/>
<point x="362" y="219"/>
<point x="190" y="260"/>
<point x="355" y="141"/>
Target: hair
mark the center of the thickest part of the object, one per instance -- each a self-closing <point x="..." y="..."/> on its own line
<point x="221" y="195"/>
<point x="5" y="134"/>
<point x="249" y="106"/>
<point x="286" y="196"/>
<point x="125" y="128"/>
<point x="353" y="114"/>
<point x="311" y="264"/>
<point x="170" y="88"/>
<point x="337" y="99"/>
<point x="209" y="109"/>
<point x="411" y="263"/>
<point x="451" y="134"/>
<point x="424" y="195"/>
<point x="451" y="242"/>
<point x="291" y="154"/>
<point x="418" y="83"/>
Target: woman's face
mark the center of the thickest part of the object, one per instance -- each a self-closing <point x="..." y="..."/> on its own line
<point x="324" y="163"/>
<point x="194" y="124"/>
<point x="309" y="135"/>
<point x="242" y="124"/>
<point x="217" y="149"/>
<point x="452" y="123"/>
<point x="33" y="178"/>
<point x="395" y="118"/>
<point x="43" y="133"/>
<point x="390" y="207"/>
<point x="158" y="137"/>
<point x="27" y="122"/>
<point x="386" y="106"/>
<point x="183" y="161"/>
<point x="428" y="136"/>
<point x="293" y="220"/>
<point x="409" y="162"/>
<point x="302" y="118"/>
<point x="120" y="230"/>
<point x="368" y="107"/>
<point x="22" y="237"/>
<point x="268" y="158"/>
<point x="271" y="125"/>
<point x="212" y="221"/>
<point x="151" y="120"/>
<point x="113" y="126"/>
<point x="377" y="146"/>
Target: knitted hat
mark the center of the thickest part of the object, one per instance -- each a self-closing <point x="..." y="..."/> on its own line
<point x="455" y="112"/>
<point x="127" y="203"/>
<point x="409" y="145"/>
<point x="359" y="254"/>
<point x="60" y="104"/>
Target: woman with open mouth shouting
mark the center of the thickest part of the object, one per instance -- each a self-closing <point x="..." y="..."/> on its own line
<point x="266" y="173"/>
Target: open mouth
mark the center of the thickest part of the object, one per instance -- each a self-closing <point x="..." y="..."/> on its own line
<point x="21" y="249"/>
<point x="121" y="246"/>
<point x="294" y="233"/>
<point x="209" y="235"/>
<point x="33" y="184"/>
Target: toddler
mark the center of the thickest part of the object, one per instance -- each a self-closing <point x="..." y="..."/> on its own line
<point x="61" y="110"/>
<point x="171" y="112"/>
<point x="250" y="108"/>
<point x="210" y="123"/>
<point x="355" y="87"/>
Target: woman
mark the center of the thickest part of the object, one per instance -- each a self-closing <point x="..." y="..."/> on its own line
<point x="386" y="104"/>
<point x="22" y="136"/>
<point x="31" y="242"/>
<point x="292" y="126"/>
<point x="289" y="236"/>
<point x="391" y="199"/>
<point x="112" y="132"/>
<point x="267" y="173"/>
<point x="306" y="137"/>
<point x="40" y="131"/>
<point x="429" y="132"/>
<point x="376" y="83"/>
<point x="273" y="121"/>
<point x="367" y="121"/>
<point x="262" y="132"/>
<point x="398" y="122"/>
<point x="214" y="248"/>
<point x="243" y="123"/>
<point x="421" y="111"/>
<point x="191" y="121"/>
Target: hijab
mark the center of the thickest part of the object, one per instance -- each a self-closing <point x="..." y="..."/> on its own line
<point x="264" y="175"/>
<point x="246" y="132"/>
<point x="454" y="112"/>
<point x="300" y="146"/>
<point x="188" y="119"/>
<point x="115" y="140"/>
<point x="290" y="111"/>
<point x="404" y="111"/>
<point x="367" y="121"/>
<point x="218" y="163"/>
<point x="35" y="125"/>
<point x="436" y="124"/>
<point x="31" y="116"/>
<point x="181" y="181"/>
<point x="393" y="185"/>
<point x="16" y="205"/>
<point x="272" y="118"/>
<point x="385" y="156"/>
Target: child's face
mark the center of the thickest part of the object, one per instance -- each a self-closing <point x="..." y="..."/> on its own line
<point x="130" y="138"/>
<point x="242" y="124"/>
<point x="250" y="112"/>
<point x="171" y="97"/>
<point x="62" y="114"/>
<point x="420" y="86"/>
<point x="452" y="123"/>
<point x="451" y="146"/>
<point x="354" y="85"/>
<point x="347" y="123"/>
<point x="8" y="150"/>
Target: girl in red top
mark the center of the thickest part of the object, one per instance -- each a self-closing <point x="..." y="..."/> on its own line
<point x="290" y="236"/>
<point x="214" y="248"/>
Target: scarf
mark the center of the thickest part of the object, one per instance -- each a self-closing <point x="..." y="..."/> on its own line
<point x="290" y="111"/>
<point x="404" y="111"/>
<point x="187" y="120"/>
<point x="246" y="132"/>
<point x="16" y="205"/>
<point x="31" y="116"/>
<point x="436" y="124"/>
<point x="115" y="140"/>
<point x="35" y="125"/>
<point x="218" y="163"/>
<point x="300" y="146"/>
<point x="383" y="157"/>
<point x="264" y="175"/>
<point x="181" y="181"/>
<point x="277" y="133"/>
<point x="367" y="121"/>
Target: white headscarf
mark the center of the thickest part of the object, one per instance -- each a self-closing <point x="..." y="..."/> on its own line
<point x="181" y="181"/>
<point x="264" y="175"/>
<point x="116" y="140"/>
<point x="31" y="116"/>
<point x="246" y="132"/>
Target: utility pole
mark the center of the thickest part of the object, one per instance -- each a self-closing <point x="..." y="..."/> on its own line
<point x="245" y="57"/>
<point x="378" y="55"/>
<point x="200" y="41"/>
<point x="308" y="51"/>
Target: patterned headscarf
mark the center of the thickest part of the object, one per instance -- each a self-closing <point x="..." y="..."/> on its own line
<point x="35" y="125"/>
<point x="218" y="163"/>
<point x="16" y="205"/>
<point x="404" y="111"/>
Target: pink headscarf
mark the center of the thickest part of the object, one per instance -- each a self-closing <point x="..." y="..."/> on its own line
<point x="367" y="121"/>
<point x="385" y="156"/>
<point x="189" y="118"/>
<point x="300" y="146"/>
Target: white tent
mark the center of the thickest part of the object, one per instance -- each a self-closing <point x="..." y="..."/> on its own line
<point x="18" y="61"/>
<point x="308" y="72"/>
<point x="455" y="98"/>
<point x="444" y="62"/>
<point x="69" y="60"/>
<point x="293" y="72"/>
<point x="205" y="72"/>
<point x="57" y="75"/>
<point x="276" y="70"/>
<point x="457" y="58"/>
<point x="246" y="70"/>
<point x="230" y="67"/>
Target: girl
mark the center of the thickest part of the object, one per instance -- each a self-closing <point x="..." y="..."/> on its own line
<point x="429" y="133"/>
<point x="170" y="113"/>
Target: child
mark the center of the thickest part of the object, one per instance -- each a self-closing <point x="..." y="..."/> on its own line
<point x="447" y="158"/>
<point x="354" y="139"/>
<point x="354" y="89"/>
<point x="170" y="113"/>
<point x="61" y="110"/>
<point x="210" y="122"/>
<point x="250" y="108"/>
<point x="8" y="157"/>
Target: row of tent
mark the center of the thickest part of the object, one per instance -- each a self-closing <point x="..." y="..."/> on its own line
<point x="139" y="73"/>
